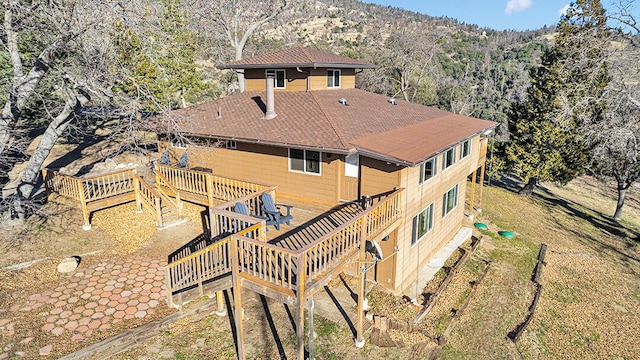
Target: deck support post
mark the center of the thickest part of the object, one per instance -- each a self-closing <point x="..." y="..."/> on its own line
<point x="473" y="191"/>
<point x="237" y="301"/>
<point x="362" y="258"/>
<point x="312" y="350"/>
<point x="302" y="281"/>
<point x="83" y="202"/>
<point x="221" y="311"/>
<point x="481" y="185"/>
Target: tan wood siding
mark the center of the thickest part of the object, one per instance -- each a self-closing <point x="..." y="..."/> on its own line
<point x="319" y="79"/>
<point x="295" y="81"/>
<point x="417" y="197"/>
<point x="378" y="176"/>
<point x="269" y="165"/>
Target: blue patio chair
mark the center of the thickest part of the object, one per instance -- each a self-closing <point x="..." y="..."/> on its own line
<point x="242" y="209"/>
<point x="184" y="161"/>
<point x="272" y="211"/>
<point x="164" y="159"/>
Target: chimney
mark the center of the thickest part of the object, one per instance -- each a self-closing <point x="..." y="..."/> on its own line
<point x="271" y="78"/>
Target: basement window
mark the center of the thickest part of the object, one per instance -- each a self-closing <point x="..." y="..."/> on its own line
<point x="428" y="169"/>
<point x="306" y="161"/>
<point x="333" y="78"/>
<point x="449" y="200"/>
<point x="422" y="224"/>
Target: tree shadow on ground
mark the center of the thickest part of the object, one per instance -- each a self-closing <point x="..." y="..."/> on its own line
<point x="629" y="238"/>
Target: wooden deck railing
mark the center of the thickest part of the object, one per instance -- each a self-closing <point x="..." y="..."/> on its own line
<point x="207" y="185"/>
<point x="197" y="268"/>
<point x="65" y="185"/>
<point x="169" y="191"/>
<point x="266" y="263"/>
<point x="93" y="193"/>
<point x="149" y="197"/>
<point x="281" y="268"/>
<point x="330" y="250"/>
<point x="91" y="188"/>
<point x="224" y="221"/>
<point x="108" y="185"/>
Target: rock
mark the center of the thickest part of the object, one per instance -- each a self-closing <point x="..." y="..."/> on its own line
<point x="69" y="264"/>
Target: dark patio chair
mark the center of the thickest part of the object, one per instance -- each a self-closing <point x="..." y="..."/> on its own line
<point x="242" y="209"/>
<point x="272" y="211"/>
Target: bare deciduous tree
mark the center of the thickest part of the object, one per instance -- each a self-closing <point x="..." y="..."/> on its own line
<point x="54" y="88"/>
<point x="238" y="20"/>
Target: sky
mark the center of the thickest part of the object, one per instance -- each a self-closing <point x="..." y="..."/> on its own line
<point x="494" y="14"/>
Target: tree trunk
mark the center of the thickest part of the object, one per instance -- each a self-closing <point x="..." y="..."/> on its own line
<point x="622" y="193"/>
<point x="528" y="188"/>
<point x="26" y="187"/>
<point x="240" y="73"/>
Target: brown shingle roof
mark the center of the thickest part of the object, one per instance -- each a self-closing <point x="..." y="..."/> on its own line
<point x="297" y="57"/>
<point x="405" y="133"/>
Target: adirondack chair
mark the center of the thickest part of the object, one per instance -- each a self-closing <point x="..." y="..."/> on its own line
<point x="242" y="209"/>
<point x="272" y="211"/>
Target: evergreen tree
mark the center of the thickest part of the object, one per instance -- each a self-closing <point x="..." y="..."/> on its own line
<point x="157" y="68"/>
<point x="546" y="143"/>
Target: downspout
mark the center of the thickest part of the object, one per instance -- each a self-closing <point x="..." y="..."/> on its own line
<point x="305" y="72"/>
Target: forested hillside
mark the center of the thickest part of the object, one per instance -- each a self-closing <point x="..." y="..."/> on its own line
<point x="71" y="70"/>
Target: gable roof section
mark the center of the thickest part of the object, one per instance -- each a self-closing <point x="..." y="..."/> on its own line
<point x="416" y="143"/>
<point x="297" y="57"/>
<point x="405" y="133"/>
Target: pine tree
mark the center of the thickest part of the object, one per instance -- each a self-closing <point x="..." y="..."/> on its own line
<point x="546" y="143"/>
<point x="158" y="68"/>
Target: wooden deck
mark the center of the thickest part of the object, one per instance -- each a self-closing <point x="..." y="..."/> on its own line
<point x="289" y="265"/>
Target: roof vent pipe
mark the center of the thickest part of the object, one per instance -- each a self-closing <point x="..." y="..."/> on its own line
<point x="343" y="101"/>
<point x="271" y="77"/>
<point x="392" y="101"/>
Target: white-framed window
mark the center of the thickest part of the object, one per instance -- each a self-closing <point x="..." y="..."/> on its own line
<point x="449" y="158"/>
<point x="449" y="200"/>
<point x="307" y="161"/>
<point x="281" y="79"/>
<point x="178" y="142"/>
<point x="428" y="169"/>
<point x="465" y="148"/>
<point x="352" y="165"/>
<point x="422" y="224"/>
<point x="231" y="144"/>
<point x="333" y="78"/>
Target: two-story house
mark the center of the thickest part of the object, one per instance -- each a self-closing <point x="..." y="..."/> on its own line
<point x="303" y="126"/>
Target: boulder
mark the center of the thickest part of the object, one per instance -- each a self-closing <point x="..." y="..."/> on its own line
<point x="69" y="264"/>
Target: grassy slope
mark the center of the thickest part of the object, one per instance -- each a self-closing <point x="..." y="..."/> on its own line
<point x="588" y="308"/>
<point x="591" y="292"/>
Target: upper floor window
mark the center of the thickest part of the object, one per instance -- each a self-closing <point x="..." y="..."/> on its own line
<point x="231" y="144"/>
<point x="428" y="169"/>
<point x="333" y="78"/>
<point x="280" y="82"/>
<point x="449" y="158"/>
<point x="422" y="224"/>
<point x="307" y="161"/>
<point x="449" y="200"/>
<point x="465" y="149"/>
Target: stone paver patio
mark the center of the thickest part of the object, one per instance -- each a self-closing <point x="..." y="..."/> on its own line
<point x="94" y="299"/>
